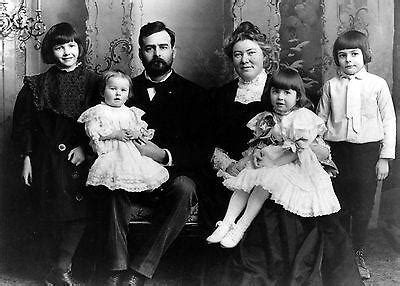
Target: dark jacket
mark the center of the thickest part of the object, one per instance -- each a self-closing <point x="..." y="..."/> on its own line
<point x="44" y="124"/>
<point x="178" y="114"/>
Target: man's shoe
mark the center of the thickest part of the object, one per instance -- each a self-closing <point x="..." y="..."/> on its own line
<point x="113" y="279"/>
<point x="362" y="267"/>
<point x="132" y="278"/>
<point x="58" y="278"/>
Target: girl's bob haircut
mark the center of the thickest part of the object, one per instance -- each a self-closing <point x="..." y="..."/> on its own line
<point x="352" y="40"/>
<point x="60" y="34"/>
<point x="114" y="73"/>
<point x="286" y="78"/>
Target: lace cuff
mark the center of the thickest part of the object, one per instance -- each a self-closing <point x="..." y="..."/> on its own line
<point x="220" y="159"/>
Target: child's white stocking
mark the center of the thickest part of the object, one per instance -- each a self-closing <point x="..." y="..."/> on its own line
<point x="254" y="204"/>
<point x="236" y="205"/>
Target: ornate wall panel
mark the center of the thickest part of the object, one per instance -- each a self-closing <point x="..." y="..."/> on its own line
<point x="300" y="33"/>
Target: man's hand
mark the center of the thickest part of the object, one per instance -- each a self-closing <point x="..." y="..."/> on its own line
<point x="121" y="135"/>
<point x="382" y="169"/>
<point x="151" y="150"/>
<point x="76" y="156"/>
<point x="27" y="171"/>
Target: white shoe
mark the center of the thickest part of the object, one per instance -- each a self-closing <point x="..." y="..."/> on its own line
<point x="219" y="233"/>
<point x="232" y="238"/>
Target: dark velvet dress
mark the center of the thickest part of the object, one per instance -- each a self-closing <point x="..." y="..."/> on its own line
<point x="279" y="248"/>
<point x="45" y="128"/>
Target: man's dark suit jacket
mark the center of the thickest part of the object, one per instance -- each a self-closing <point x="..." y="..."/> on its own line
<point x="178" y="113"/>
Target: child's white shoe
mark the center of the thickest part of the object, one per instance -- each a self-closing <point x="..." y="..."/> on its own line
<point x="219" y="233"/>
<point x="232" y="238"/>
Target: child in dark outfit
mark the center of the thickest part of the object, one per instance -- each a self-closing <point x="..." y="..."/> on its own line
<point x="52" y="144"/>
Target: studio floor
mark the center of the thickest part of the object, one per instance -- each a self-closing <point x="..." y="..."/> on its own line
<point x="191" y="262"/>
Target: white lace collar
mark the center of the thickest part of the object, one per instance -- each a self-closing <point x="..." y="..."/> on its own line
<point x="250" y="91"/>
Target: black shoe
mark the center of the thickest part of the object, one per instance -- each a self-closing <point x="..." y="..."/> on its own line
<point x="113" y="279"/>
<point x="133" y="278"/>
<point x="58" y="278"/>
<point x="362" y="267"/>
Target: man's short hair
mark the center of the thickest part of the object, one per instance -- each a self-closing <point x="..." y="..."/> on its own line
<point x="155" y="27"/>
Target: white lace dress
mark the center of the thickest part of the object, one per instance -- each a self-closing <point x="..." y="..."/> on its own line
<point x="119" y="164"/>
<point x="302" y="186"/>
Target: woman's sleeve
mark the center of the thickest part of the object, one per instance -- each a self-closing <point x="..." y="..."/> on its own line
<point x="23" y="121"/>
<point x="220" y="159"/>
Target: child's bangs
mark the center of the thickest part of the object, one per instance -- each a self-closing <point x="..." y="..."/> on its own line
<point x="286" y="81"/>
<point x="349" y="43"/>
<point x="63" y="39"/>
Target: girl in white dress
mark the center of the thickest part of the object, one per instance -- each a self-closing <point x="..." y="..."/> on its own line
<point x="112" y="127"/>
<point x="279" y="164"/>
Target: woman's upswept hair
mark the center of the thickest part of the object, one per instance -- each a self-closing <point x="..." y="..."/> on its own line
<point x="352" y="40"/>
<point x="114" y="73"/>
<point x="246" y="31"/>
<point x="286" y="78"/>
<point x="60" y="34"/>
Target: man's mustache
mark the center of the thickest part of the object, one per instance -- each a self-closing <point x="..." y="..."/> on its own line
<point x="157" y="61"/>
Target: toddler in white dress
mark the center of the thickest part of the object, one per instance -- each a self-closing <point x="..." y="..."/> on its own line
<point x="112" y="127"/>
<point x="280" y="165"/>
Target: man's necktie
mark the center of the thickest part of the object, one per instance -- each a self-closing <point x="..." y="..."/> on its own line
<point x="353" y="103"/>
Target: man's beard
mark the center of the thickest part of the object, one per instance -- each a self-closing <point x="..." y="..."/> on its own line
<point x="157" y="67"/>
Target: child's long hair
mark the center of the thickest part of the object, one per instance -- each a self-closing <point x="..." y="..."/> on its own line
<point x="352" y="40"/>
<point x="286" y="78"/>
<point x="114" y="73"/>
<point x="60" y="34"/>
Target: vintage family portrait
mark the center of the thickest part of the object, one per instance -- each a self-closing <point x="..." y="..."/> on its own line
<point x="199" y="142"/>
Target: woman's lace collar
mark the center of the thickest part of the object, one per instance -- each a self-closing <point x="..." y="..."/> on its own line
<point x="250" y="91"/>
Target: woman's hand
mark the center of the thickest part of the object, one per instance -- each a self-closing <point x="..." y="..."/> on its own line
<point x="382" y="169"/>
<point x="76" y="156"/>
<point x="27" y="171"/>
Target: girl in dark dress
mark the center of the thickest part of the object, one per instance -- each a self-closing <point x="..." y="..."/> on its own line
<point x="53" y="144"/>
<point x="279" y="248"/>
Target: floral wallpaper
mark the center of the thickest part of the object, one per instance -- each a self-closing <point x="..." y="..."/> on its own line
<point x="300" y="34"/>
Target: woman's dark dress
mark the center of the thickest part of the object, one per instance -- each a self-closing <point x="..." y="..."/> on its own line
<point x="229" y="133"/>
<point x="279" y="248"/>
<point x="44" y="123"/>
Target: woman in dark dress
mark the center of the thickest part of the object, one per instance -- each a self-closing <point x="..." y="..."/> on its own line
<point x="279" y="248"/>
<point x="52" y="145"/>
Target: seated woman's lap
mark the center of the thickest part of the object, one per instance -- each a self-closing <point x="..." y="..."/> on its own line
<point x="281" y="248"/>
